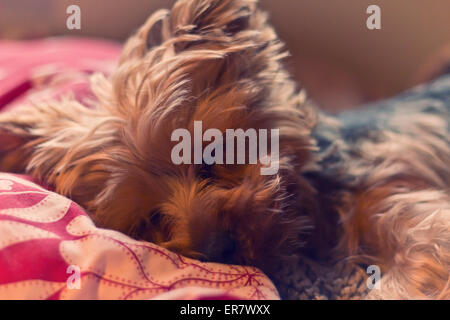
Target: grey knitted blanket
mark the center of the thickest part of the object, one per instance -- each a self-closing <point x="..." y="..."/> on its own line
<point x="304" y="279"/>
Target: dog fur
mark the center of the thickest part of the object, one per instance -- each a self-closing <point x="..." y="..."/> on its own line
<point x="376" y="192"/>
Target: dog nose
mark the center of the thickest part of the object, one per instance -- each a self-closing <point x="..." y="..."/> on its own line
<point x="222" y="248"/>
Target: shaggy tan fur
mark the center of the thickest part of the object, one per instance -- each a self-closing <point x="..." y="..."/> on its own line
<point x="219" y="62"/>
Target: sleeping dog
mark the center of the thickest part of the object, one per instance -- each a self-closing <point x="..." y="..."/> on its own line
<point x="371" y="186"/>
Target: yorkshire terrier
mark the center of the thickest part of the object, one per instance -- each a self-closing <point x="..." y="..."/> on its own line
<point x="369" y="185"/>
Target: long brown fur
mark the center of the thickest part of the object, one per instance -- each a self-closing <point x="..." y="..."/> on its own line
<point x="220" y="62"/>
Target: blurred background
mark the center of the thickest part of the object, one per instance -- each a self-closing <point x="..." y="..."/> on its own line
<point x="340" y="62"/>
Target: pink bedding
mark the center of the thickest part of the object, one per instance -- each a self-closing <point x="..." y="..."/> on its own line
<point x="49" y="247"/>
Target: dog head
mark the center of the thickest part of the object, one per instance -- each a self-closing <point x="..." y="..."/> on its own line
<point x="212" y="61"/>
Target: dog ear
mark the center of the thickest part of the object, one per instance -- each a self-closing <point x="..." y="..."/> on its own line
<point x="188" y="19"/>
<point x="209" y="16"/>
<point x="59" y="142"/>
<point x="155" y="28"/>
<point x="150" y="35"/>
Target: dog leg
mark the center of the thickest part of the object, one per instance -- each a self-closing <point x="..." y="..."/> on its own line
<point x="398" y="216"/>
<point x="413" y="232"/>
<point x="406" y="233"/>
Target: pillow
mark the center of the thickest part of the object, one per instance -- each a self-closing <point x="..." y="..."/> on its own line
<point x="50" y="249"/>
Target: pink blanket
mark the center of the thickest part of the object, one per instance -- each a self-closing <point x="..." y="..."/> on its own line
<point x="49" y="247"/>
